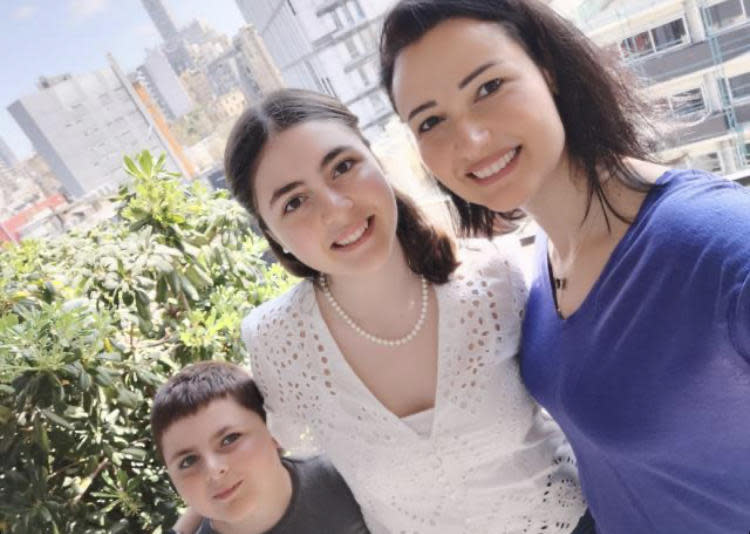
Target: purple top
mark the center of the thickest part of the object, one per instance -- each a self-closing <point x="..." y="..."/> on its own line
<point x="650" y="377"/>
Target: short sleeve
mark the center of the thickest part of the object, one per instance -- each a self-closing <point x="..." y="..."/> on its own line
<point x="285" y="423"/>
<point x="739" y="318"/>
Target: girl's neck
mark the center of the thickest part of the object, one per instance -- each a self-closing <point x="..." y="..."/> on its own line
<point x="392" y="285"/>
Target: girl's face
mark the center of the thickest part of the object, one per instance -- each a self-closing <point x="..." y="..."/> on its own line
<point x="482" y="112"/>
<point x="324" y="197"/>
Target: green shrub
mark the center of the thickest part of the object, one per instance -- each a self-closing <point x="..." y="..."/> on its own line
<point x="90" y="324"/>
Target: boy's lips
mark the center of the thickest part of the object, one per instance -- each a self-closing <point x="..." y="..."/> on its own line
<point x="223" y="494"/>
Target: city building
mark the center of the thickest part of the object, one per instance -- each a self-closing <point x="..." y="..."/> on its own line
<point x="694" y="57"/>
<point x="163" y="85"/>
<point x="83" y="125"/>
<point x="329" y="46"/>
<point x="6" y="154"/>
<point x="259" y="75"/>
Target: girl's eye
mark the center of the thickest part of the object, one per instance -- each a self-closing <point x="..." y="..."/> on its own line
<point x="187" y="461"/>
<point x="489" y="87"/>
<point x="293" y="204"/>
<point x="230" y="438"/>
<point x="342" y="167"/>
<point x="428" y="124"/>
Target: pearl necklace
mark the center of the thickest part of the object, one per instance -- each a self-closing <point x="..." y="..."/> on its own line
<point x="370" y="337"/>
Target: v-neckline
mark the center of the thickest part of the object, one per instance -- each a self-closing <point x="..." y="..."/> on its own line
<point x="354" y="378"/>
<point x="613" y="256"/>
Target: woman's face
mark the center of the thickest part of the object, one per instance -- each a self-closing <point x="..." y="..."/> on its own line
<point x="324" y="197"/>
<point x="482" y="112"/>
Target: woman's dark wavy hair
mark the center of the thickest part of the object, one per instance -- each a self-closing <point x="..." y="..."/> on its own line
<point x="604" y="118"/>
<point x="428" y="251"/>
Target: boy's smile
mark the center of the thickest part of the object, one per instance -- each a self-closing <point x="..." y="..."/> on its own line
<point x="225" y="464"/>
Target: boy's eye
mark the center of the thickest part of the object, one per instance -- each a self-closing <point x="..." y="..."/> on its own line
<point x="230" y="438"/>
<point x="187" y="461"/>
<point x="293" y="204"/>
<point x="343" y="166"/>
<point x="489" y="87"/>
<point x="428" y="124"/>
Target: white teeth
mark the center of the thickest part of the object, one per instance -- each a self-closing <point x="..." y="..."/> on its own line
<point x="356" y="234"/>
<point x="496" y="167"/>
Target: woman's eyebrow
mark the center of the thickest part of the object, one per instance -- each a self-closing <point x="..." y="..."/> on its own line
<point x="476" y="72"/>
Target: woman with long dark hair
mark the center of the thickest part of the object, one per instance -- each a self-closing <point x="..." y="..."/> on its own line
<point x="637" y="330"/>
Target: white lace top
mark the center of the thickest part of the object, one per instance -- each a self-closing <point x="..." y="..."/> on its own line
<point x="491" y="463"/>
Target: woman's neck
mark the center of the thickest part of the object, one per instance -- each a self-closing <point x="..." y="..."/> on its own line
<point x="573" y="220"/>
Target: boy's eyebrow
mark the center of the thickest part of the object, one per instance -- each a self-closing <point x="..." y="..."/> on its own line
<point x="186" y="450"/>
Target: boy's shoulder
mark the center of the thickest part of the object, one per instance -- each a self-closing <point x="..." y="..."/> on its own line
<point x="321" y="500"/>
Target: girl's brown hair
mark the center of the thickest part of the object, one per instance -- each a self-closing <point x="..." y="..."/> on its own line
<point x="429" y="252"/>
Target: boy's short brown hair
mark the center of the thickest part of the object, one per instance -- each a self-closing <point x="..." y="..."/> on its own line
<point x="197" y="385"/>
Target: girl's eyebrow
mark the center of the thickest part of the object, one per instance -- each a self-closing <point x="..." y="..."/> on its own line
<point x="284" y="189"/>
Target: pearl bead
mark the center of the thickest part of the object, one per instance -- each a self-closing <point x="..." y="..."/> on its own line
<point x="370" y="337"/>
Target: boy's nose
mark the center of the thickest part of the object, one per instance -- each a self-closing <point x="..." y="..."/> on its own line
<point x="217" y="466"/>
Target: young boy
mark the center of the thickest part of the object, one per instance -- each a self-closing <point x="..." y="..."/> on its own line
<point x="209" y="427"/>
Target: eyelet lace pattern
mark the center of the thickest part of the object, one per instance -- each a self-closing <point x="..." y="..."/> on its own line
<point x="493" y="463"/>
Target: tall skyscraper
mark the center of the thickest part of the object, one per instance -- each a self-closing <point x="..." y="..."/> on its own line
<point x="6" y="154"/>
<point x="162" y="19"/>
<point x="163" y="85"/>
<point x="329" y="46"/>
<point x="83" y="125"/>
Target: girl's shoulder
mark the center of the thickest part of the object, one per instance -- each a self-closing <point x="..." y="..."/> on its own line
<point x="275" y="314"/>
<point x="498" y="258"/>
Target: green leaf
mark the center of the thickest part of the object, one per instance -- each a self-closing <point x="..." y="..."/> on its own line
<point x="52" y="416"/>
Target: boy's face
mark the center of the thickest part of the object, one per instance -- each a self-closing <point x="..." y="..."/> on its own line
<point x="223" y="461"/>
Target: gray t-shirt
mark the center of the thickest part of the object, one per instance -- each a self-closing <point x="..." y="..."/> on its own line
<point x="321" y="502"/>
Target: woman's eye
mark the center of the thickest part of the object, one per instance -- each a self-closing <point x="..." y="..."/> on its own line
<point x="489" y="87"/>
<point x="230" y="438"/>
<point x="187" y="461"/>
<point x="428" y="124"/>
<point x="342" y="167"/>
<point x="293" y="204"/>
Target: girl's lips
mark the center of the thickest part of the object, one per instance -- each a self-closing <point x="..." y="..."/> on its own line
<point x="362" y="238"/>
<point x="224" y="494"/>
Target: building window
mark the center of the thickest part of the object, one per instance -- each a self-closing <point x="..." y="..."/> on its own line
<point x="710" y="162"/>
<point x="376" y="102"/>
<point x="656" y="39"/>
<point x="669" y="35"/>
<point x="638" y="45"/>
<point x="724" y="14"/>
<point x="739" y="86"/>
<point x="351" y="47"/>
<point x="687" y="104"/>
